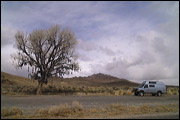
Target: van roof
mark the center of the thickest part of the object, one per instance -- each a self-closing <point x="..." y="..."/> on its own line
<point x="153" y="82"/>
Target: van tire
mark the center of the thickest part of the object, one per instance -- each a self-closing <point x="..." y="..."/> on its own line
<point x="159" y="93"/>
<point x="135" y="93"/>
<point x="141" y="93"/>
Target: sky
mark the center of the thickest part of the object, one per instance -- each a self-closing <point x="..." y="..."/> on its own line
<point x="134" y="40"/>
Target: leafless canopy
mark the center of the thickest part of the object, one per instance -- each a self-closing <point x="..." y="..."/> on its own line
<point x="49" y="52"/>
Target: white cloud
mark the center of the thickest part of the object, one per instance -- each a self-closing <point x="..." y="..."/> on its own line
<point x="7" y="35"/>
<point x="7" y="64"/>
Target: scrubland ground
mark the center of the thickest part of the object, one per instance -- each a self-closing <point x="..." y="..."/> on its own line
<point x="77" y="110"/>
<point x="96" y="85"/>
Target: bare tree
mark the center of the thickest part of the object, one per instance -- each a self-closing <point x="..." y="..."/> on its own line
<point x="49" y="53"/>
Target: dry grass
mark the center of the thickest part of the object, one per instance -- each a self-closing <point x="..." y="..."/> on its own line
<point x="76" y="106"/>
<point x="142" y="109"/>
<point x="17" y="79"/>
<point x="172" y="90"/>
<point x="13" y="85"/>
<point x="63" y="110"/>
<point x="11" y="112"/>
<point x="76" y="110"/>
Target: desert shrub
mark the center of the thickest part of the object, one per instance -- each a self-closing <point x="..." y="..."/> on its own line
<point x="153" y="108"/>
<point x="19" y="89"/>
<point x="75" y="89"/>
<point x="54" y="111"/>
<point x="169" y="92"/>
<point x="133" y="109"/>
<point x="172" y="90"/>
<point x="118" y="107"/>
<point x="146" y="109"/>
<point x="42" y="111"/>
<point x="26" y="89"/>
<point x="175" y="93"/>
<point x="120" y="92"/>
<point x="76" y="106"/>
<point x="160" y="108"/>
<point x="76" y="109"/>
<point x="58" y="89"/>
<point x="50" y="89"/>
<point x="92" y="110"/>
<point x="11" y="112"/>
<point x="4" y="112"/>
<point x="115" y="88"/>
<point x="61" y="110"/>
<point x="125" y="88"/>
<point x="127" y="92"/>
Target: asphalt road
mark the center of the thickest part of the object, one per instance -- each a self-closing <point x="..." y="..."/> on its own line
<point x="33" y="102"/>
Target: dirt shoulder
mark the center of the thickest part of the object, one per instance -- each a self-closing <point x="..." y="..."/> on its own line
<point x="167" y="115"/>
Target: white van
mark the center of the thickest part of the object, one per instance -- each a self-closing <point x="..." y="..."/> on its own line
<point x="150" y="87"/>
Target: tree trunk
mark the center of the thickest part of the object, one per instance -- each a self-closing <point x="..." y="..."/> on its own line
<point x="39" y="90"/>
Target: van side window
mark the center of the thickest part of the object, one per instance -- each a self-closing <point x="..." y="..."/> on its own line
<point x="146" y="86"/>
<point x="151" y="85"/>
<point x="152" y="82"/>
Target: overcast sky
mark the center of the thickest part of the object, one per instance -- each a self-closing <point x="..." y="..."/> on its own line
<point x="126" y="39"/>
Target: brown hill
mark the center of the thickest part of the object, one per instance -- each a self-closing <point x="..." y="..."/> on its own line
<point x="9" y="79"/>
<point x="96" y="83"/>
<point x="100" y="80"/>
<point x="93" y="80"/>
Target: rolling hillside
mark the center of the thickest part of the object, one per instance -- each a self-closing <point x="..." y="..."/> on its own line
<point x="100" y="80"/>
<point x="9" y="79"/>
<point x="93" y="80"/>
<point x="94" y="84"/>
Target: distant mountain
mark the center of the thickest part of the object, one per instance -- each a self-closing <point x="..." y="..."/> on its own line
<point x="101" y="80"/>
<point x="102" y="76"/>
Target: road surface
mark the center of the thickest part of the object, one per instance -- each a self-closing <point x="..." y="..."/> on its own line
<point x="86" y="101"/>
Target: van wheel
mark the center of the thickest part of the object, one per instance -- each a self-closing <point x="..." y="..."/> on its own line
<point x="141" y="93"/>
<point x="136" y="94"/>
<point x="159" y="93"/>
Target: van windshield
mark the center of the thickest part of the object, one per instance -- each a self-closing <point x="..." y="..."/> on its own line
<point x="141" y="85"/>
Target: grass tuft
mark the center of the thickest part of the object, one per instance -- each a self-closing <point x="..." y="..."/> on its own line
<point x="62" y="110"/>
<point x="11" y="112"/>
<point x="76" y="110"/>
